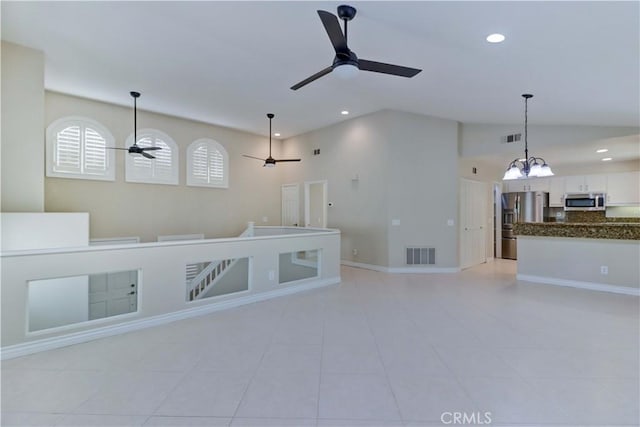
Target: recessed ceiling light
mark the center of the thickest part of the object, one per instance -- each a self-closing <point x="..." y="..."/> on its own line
<point x="495" y="38"/>
<point x="606" y="159"/>
<point x="602" y="150"/>
<point x="344" y="112"/>
<point x="276" y="134"/>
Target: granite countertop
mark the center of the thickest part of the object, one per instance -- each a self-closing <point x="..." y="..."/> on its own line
<point x="588" y="230"/>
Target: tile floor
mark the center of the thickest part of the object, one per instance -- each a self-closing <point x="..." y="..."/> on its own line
<point x="376" y="350"/>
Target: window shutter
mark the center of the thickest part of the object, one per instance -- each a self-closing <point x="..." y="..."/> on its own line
<point x="67" y="150"/>
<point x="162" y="165"/>
<point x="95" y="152"/>
<point x="77" y="148"/>
<point x="207" y="164"/>
<point x="199" y="170"/>
<point x="161" y="170"/>
<point x="216" y="167"/>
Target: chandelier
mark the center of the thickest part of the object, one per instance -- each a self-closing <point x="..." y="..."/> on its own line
<point x="528" y="166"/>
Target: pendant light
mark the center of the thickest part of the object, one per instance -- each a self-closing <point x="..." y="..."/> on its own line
<point x="528" y="166"/>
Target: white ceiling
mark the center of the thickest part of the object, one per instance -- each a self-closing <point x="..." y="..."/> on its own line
<point x="229" y="63"/>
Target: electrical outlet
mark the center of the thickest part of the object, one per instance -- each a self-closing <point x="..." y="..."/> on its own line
<point x="265" y="219"/>
<point x="604" y="270"/>
<point x="272" y="275"/>
<point x="355" y="252"/>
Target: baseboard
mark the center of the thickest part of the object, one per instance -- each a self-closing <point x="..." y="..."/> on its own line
<point x="373" y="267"/>
<point x="602" y="287"/>
<point x="424" y="270"/>
<point x="23" y="349"/>
<point x="395" y="270"/>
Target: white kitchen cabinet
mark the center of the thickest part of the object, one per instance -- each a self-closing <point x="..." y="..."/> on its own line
<point x="623" y="189"/>
<point x="527" y="184"/>
<point x="585" y="183"/>
<point x="556" y="191"/>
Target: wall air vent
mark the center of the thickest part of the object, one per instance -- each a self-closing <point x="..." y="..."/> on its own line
<point x="421" y="256"/>
<point x="508" y="139"/>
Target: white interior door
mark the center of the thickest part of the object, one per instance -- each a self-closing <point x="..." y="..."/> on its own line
<point x="290" y="205"/>
<point x="473" y="223"/>
<point x="315" y="204"/>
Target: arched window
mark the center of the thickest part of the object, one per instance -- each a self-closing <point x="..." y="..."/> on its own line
<point x="161" y="170"/>
<point x="207" y="164"/>
<point x="77" y="147"/>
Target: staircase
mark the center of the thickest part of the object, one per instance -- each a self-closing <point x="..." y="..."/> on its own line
<point x="207" y="278"/>
<point x="203" y="276"/>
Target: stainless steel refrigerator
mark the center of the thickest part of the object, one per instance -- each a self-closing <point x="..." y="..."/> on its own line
<point x="530" y="206"/>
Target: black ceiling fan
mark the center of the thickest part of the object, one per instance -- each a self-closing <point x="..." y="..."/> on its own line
<point x="135" y="148"/>
<point x="346" y="62"/>
<point x="270" y="162"/>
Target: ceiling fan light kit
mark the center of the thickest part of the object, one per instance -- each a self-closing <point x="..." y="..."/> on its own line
<point x="528" y="166"/>
<point x="346" y="63"/>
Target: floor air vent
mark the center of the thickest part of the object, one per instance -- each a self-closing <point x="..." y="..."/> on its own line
<point x="421" y="256"/>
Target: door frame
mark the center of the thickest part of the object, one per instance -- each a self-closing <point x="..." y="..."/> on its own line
<point x="307" y="201"/>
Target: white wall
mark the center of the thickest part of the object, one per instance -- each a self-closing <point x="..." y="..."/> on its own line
<point x="406" y="168"/>
<point x="129" y="209"/>
<point x="22" y="149"/>
<point x="357" y="146"/>
<point x="484" y="139"/>
<point x="480" y="146"/>
<point x="422" y="187"/>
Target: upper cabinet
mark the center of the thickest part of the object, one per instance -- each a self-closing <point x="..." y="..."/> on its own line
<point x="585" y="183"/>
<point x="556" y="191"/>
<point x="623" y="189"/>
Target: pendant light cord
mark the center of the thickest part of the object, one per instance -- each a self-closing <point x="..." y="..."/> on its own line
<point x="270" y="136"/>
<point x="526" y="120"/>
<point x="135" y="122"/>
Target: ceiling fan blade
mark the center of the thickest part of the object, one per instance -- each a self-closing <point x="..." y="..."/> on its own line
<point x="150" y="148"/>
<point x="308" y="80"/>
<point x="251" y="157"/>
<point x="147" y="155"/>
<point x="287" y="160"/>
<point x="381" y="67"/>
<point x="332" y="26"/>
<point x="116" y="148"/>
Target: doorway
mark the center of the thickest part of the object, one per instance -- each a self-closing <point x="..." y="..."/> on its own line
<point x="315" y="204"/>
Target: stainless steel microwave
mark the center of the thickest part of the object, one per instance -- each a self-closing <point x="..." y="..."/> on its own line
<point x="584" y="201"/>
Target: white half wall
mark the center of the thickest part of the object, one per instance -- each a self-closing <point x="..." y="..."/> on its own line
<point x="577" y="262"/>
<point x="24" y="231"/>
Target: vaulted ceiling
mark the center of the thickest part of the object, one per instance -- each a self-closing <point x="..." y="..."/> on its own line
<point x="229" y="63"/>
